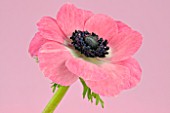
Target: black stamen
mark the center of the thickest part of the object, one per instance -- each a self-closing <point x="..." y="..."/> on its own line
<point x="89" y="44"/>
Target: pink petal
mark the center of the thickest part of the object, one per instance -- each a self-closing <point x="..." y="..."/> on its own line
<point x="110" y="86"/>
<point x="70" y="18"/>
<point x="52" y="57"/>
<point x="125" y="75"/>
<point x="87" y="70"/>
<point x="135" y="72"/>
<point x="36" y="43"/>
<point x="102" y="25"/>
<point x="126" y="43"/>
<point x="50" y="30"/>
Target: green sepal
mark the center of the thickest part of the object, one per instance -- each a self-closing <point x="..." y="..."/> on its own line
<point x="91" y="95"/>
<point x="36" y="59"/>
<point x="54" y="86"/>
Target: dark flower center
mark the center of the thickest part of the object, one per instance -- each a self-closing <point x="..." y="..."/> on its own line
<point x="89" y="44"/>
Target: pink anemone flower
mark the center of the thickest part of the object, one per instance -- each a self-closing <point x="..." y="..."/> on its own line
<point x="94" y="47"/>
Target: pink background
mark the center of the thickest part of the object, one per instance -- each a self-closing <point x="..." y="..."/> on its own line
<point x="23" y="88"/>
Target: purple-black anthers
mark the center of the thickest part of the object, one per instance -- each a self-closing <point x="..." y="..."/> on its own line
<point x="89" y="44"/>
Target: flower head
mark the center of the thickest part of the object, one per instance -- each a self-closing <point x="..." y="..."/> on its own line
<point x="94" y="47"/>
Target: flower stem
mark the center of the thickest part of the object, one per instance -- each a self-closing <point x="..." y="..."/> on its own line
<point x="55" y="100"/>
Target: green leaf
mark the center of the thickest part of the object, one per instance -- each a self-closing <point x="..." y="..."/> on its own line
<point x="54" y="86"/>
<point x="36" y="59"/>
<point x="91" y="95"/>
<point x="97" y="100"/>
<point x="85" y="92"/>
<point x="102" y="103"/>
<point x="85" y="88"/>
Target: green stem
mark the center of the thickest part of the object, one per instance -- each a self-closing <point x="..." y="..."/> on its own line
<point x="55" y="100"/>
